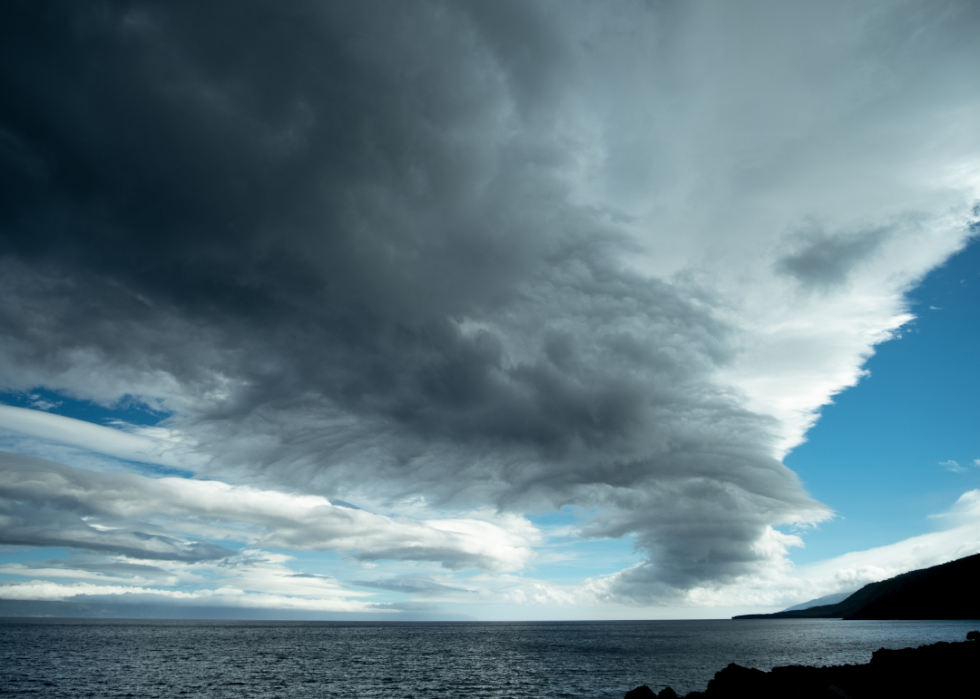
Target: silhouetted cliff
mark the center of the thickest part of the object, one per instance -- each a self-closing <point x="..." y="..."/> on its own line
<point x="946" y="591"/>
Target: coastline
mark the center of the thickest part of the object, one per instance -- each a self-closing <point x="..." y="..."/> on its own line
<point x="945" y="591"/>
<point x="938" y="669"/>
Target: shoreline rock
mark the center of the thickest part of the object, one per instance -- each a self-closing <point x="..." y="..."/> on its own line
<point x="937" y="670"/>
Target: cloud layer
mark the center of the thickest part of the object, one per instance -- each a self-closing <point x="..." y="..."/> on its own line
<point x="435" y="256"/>
<point x="47" y="504"/>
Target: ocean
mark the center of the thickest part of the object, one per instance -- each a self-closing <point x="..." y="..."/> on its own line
<point x="499" y="660"/>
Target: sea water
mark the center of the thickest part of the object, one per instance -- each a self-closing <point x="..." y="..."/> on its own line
<point x="262" y="660"/>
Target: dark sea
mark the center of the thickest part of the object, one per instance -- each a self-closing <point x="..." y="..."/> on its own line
<point x="599" y="660"/>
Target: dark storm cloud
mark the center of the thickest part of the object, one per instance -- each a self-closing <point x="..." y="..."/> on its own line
<point x="347" y="244"/>
<point x="826" y="260"/>
<point x="341" y="234"/>
<point x="315" y="190"/>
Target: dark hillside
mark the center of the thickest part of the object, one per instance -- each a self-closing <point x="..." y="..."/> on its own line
<point x="947" y="591"/>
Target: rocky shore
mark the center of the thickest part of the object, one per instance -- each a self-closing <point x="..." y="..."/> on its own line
<point x="944" y="670"/>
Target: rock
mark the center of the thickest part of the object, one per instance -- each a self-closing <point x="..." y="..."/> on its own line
<point x="738" y="681"/>
<point x="937" y="670"/>
<point x="838" y="692"/>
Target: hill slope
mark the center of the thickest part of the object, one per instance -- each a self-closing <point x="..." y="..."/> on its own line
<point x="947" y="591"/>
<point x="821" y="601"/>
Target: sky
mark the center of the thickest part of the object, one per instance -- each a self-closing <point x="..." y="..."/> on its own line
<point x="469" y="310"/>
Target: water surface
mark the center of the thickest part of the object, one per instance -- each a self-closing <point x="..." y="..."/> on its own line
<point x="261" y="660"/>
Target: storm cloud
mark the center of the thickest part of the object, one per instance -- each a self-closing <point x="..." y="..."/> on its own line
<point x="516" y="255"/>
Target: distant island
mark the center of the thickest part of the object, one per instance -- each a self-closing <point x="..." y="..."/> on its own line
<point x="940" y="670"/>
<point x="947" y="591"/>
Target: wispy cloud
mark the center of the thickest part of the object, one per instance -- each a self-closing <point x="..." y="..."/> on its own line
<point x="223" y="597"/>
<point x="48" y="504"/>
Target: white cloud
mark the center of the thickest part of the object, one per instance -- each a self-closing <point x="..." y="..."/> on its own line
<point x="221" y="597"/>
<point x="101" y="511"/>
<point x="151" y="445"/>
<point x="250" y="571"/>
<point x="39" y="571"/>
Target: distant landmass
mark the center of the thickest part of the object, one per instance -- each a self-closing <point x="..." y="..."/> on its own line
<point x="130" y="610"/>
<point x="947" y="591"/>
<point x="821" y="601"/>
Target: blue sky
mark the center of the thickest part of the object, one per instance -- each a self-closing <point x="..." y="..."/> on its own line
<point x="512" y="310"/>
<point x="882" y="454"/>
